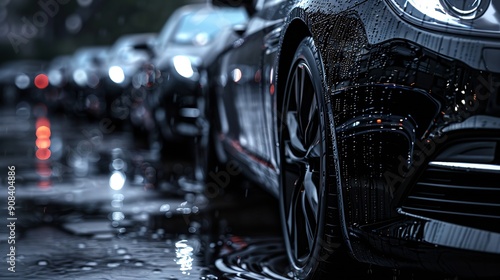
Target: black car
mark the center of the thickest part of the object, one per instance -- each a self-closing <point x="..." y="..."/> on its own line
<point x="377" y="125"/>
<point x="87" y="73"/>
<point x="126" y="58"/>
<point x="124" y="64"/>
<point x="187" y="44"/>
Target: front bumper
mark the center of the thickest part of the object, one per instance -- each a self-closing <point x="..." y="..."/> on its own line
<point x="419" y="243"/>
<point x="178" y="104"/>
<point x="418" y="143"/>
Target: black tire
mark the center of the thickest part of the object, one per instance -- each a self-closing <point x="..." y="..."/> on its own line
<point x="308" y="188"/>
<point x="205" y="156"/>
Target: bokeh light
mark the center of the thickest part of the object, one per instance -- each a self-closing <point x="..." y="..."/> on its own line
<point x="43" y="154"/>
<point x="43" y="132"/>
<point x="42" y="141"/>
<point x="117" y="180"/>
<point x="42" y="121"/>
<point x="41" y="81"/>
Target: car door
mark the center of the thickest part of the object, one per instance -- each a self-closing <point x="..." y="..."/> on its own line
<point x="241" y="101"/>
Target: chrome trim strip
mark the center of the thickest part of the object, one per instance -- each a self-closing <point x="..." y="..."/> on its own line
<point x="456" y="236"/>
<point x="467" y="165"/>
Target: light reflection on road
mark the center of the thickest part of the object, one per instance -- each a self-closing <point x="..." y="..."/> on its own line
<point x="184" y="256"/>
<point x="97" y="207"/>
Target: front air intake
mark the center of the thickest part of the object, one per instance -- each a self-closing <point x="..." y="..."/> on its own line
<point x="461" y="186"/>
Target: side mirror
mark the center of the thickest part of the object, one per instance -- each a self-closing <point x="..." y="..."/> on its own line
<point x="148" y="48"/>
<point x="240" y="29"/>
<point x="231" y="3"/>
<point x="142" y="46"/>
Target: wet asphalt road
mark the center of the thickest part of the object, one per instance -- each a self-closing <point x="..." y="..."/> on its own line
<point x="100" y="207"/>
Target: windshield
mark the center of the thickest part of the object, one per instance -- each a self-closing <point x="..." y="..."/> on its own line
<point x="200" y="28"/>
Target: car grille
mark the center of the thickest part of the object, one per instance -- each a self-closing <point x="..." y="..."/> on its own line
<point x="464" y="193"/>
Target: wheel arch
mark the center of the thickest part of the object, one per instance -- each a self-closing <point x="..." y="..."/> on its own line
<point x="295" y="32"/>
<point x="333" y="235"/>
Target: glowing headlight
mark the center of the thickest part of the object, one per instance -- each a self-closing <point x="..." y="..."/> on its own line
<point x="22" y="81"/>
<point x="80" y="77"/>
<point x="116" y="74"/>
<point x="459" y="15"/>
<point x="183" y="66"/>
<point x="55" y="77"/>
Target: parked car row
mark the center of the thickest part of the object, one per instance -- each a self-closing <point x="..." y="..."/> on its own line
<point x="157" y="81"/>
<point x="375" y="123"/>
<point x="81" y="83"/>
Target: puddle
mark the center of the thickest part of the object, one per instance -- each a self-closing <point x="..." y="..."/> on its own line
<point x="254" y="259"/>
<point x="50" y="253"/>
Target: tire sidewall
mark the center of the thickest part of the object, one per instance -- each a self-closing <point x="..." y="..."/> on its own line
<point x="307" y="52"/>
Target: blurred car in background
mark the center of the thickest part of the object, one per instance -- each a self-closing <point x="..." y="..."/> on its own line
<point x="187" y="44"/>
<point x="87" y="73"/>
<point x="58" y="70"/>
<point x="57" y="97"/>
<point x="124" y="64"/>
<point x="376" y="124"/>
<point x="126" y="57"/>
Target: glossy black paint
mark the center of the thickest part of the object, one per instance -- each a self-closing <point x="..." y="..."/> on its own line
<point x="196" y="34"/>
<point x="404" y="100"/>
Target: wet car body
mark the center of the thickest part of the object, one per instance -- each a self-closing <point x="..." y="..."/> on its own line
<point x="187" y="45"/>
<point x="410" y="109"/>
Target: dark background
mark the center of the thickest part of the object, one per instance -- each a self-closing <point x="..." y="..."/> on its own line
<point x="69" y="24"/>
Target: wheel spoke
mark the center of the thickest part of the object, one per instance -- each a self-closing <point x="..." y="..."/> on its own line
<point x="295" y="146"/>
<point x="311" y="123"/>
<point x="294" y="219"/>
<point x="314" y="150"/>
<point x="307" y="107"/>
<point x="308" y="226"/>
<point x="311" y="186"/>
<point x="293" y="196"/>
<point x="299" y="78"/>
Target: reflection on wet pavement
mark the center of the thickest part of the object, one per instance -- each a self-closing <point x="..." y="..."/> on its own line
<point x="258" y="259"/>
<point x="96" y="207"/>
<point x="89" y="206"/>
<point x="49" y="253"/>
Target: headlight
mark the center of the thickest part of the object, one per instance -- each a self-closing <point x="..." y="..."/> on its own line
<point x="80" y="77"/>
<point x="185" y="65"/>
<point x="55" y="77"/>
<point x="22" y="81"/>
<point x="465" y="9"/>
<point x="116" y="74"/>
<point x="462" y="16"/>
